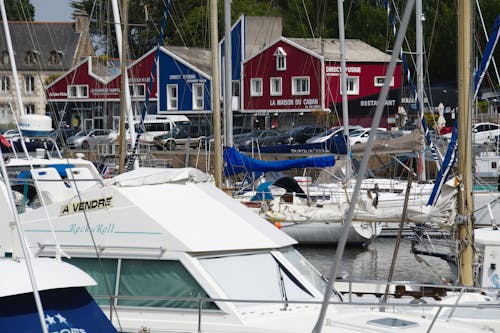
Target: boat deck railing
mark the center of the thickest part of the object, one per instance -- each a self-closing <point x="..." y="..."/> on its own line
<point x="380" y="306"/>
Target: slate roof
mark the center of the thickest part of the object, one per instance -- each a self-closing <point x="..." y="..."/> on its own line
<point x="197" y="57"/>
<point x="356" y="50"/>
<point x="43" y="38"/>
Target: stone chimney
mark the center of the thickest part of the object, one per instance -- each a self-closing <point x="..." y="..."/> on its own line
<point x="84" y="47"/>
<point x="81" y="22"/>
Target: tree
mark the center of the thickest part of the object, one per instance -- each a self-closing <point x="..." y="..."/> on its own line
<point x="20" y="10"/>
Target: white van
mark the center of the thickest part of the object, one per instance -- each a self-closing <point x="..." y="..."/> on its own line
<point x="155" y="125"/>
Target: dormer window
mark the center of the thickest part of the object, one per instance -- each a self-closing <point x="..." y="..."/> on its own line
<point x="55" y="57"/>
<point x="280" y="55"/>
<point x="5" y="57"/>
<point x="31" y="57"/>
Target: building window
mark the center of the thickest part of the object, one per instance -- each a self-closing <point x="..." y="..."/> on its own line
<point x="256" y="87"/>
<point x="172" y="97"/>
<point x="236" y="88"/>
<point x="29" y="84"/>
<point x="55" y="57"/>
<point x="280" y="59"/>
<point x="300" y="85"/>
<point x="5" y="57"/>
<point x="275" y="83"/>
<point x="4" y="84"/>
<point x="29" y="108"/>
<point x="31" y="57"/>
<point x="137" y="90"/>
<point x="197" y="96"/>
<point x="78" y="91"/>
<point x="5" y="114"/>
<point x="352" y="85"/>
<point x="378" y="81"/>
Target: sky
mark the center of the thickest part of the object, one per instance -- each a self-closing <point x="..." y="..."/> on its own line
<point x="52" y="10"/>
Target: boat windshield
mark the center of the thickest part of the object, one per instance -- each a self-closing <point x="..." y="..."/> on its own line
<point x="265" y="276"/>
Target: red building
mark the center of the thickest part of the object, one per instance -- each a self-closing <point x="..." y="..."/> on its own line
<point x="296" y="76"/>
<point x="89" y="93"/>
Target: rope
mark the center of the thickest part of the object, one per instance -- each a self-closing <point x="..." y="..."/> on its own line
<point x="140" y="130"/>
<point x="408" y="76"/>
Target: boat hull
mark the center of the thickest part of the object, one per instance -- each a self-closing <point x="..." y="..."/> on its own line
<point x="322" y="233"/>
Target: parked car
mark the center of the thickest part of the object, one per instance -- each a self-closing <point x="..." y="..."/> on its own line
<point x="293" y="136"/>
<point x="482" y="133"/>
<point x="334" y="131"/>
<point x="238" y="131"/>
<point x="361" y="135"/>
<point x="253" y="138"/>
<point x="61" y="135"/>
<point x="180" y="135"/>
<point x="89" y="138"/>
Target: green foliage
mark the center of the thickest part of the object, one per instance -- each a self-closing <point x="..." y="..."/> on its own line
<point x="20" y="10"/>
<point x="482" y="106"/>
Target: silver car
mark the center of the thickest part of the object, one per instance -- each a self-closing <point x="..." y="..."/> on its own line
<point x="89" y="138"/>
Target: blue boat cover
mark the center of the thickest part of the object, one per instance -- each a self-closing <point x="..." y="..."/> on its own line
<point x="66" y="310"/>
<point x="263" y="193"/>
<point x="235" y="162"/>
<point x="334" y="145"/>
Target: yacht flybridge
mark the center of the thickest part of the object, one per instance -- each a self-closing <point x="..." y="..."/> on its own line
<point x="172" y="253"/>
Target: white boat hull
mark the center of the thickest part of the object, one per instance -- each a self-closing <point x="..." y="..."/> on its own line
<point x="330" y="233"/>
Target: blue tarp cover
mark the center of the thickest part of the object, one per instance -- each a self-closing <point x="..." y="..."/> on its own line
<point x="334" y="145"/>
<point x="69" y="310"/>
<point x="235" y="162"/>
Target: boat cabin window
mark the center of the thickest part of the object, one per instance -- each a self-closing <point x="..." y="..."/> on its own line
<point x="103" y="273"/>
<point x="305" y="268"/>
<point x="143" y="279"/>
<point x="255" y="277"/>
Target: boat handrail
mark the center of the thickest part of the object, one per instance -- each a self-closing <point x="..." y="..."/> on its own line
<point x="201" y="300"/>
<point x="417" y="284"/>
<point x="44" y="246"/>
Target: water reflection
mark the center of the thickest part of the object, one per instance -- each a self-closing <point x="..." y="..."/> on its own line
<point x="374" y="261"/>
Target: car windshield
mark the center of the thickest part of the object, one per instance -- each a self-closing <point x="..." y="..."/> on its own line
<point x="357" y="132"/>
<point x="83" y="133"/>
<point x="253" y="134"/>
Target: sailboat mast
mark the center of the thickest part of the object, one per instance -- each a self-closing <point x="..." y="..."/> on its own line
<point x="123" y="84"/>
<point x="228" y="77"/>
<point x="420" y="82"/>
<point x="343" y="73"/>
<point x="215" y="94"/>
<point x="465" y="204"/>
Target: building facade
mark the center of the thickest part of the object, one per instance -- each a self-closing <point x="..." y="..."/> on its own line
<point x="89" y="94"/>
<point x="42" y="52"/>
<point x="301" y="77"/>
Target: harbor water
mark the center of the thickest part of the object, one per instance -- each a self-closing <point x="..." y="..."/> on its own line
<point x="373" y="262"/>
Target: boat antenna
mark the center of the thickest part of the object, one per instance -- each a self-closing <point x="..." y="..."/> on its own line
<point x="364" y="164"/>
